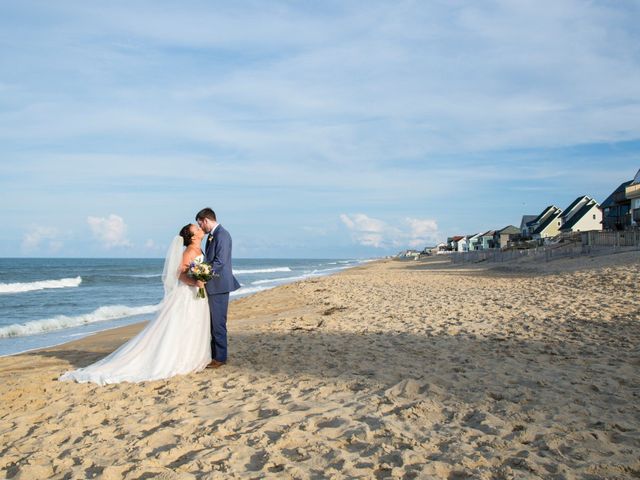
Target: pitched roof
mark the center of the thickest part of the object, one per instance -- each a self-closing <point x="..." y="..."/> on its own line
<point x="547" y="222"/>
<point x="610" y="199"/>
<point x="457" y="238"/>
<point x="510" y="229"/>
<point x="567" y="210"/>
<point x="527" y="218"/>
<point x="578" y="215"/>
<point x="541" y="216"/>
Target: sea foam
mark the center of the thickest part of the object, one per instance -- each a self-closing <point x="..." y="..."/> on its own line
<point x="110" y="312"/>
<point x="282" y="279"/>
<point x="40" y="285"/>
<point x="247" y="291"/>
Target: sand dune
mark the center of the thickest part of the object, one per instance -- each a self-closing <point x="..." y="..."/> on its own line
<point x="390" y="370"/>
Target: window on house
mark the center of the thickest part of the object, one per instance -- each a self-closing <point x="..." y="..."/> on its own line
<point x="594" y="216"/>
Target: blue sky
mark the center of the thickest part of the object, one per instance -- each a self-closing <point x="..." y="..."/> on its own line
<point x="314" y="129"/>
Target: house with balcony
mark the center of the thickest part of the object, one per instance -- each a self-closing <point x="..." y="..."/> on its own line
<point x="463" y="244"/>
<point x="632" y="193"/>
<point x="487" y="240"/>
<point x="545" y="225"/>
<point x="475" y="242"/>
<point x="582" y="215"/>
<point x="506" y="235"/>
<point x="524" y="229"/>
<point x="616" y="209"/>
<point x="452" y="242"/>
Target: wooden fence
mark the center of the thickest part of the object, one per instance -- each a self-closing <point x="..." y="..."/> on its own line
<point x="572" y="245"/>
<point x="625" y="238"/>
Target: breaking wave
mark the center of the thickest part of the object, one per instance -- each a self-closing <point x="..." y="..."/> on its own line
<point x="60" y="322"/>
<point x="40" y="285"/>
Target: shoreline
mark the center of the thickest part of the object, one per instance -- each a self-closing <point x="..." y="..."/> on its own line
<point x="144" y="321"/>
<point x="384" y="371"/>
<point x="434" y="265"/>
<point x="132" y="329"/>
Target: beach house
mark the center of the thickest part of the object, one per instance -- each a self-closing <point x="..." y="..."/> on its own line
<point x="632" y="192"/>
<point x="524" y="229"/>
<point x="475" y="242"/>
<point x="487" y="240"/>
<point x="453" y="242"/>
<point x="507" y="234"/>
<point x="463" y="243"/>
<point x="582" y="215"/>
<point x="616" y="209"/>
<point x="408" y="254"/>
<point x="547" y="224"/>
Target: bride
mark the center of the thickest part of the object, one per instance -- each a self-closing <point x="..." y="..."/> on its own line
<point x="177" y="341"/>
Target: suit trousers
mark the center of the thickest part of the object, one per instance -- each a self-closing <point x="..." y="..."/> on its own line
<point x="218" y="307"/>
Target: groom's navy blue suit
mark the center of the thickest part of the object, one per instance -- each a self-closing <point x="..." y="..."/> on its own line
<point x="218" y="254"/>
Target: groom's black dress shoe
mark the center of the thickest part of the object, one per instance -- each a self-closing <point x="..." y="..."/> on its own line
<point x="215" y="364"/>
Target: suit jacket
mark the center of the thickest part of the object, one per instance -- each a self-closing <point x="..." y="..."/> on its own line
<point x="218" y="254"/>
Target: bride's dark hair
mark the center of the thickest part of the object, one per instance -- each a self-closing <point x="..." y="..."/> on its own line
<point x="186" y="235"/>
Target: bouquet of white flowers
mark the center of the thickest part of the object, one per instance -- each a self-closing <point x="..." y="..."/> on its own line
<point x="200" y="270"/>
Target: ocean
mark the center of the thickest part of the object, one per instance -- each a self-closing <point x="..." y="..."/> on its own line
<point x="46" y="302"/>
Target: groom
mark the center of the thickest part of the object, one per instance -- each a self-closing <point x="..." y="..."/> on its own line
<point x="218" y="254"/>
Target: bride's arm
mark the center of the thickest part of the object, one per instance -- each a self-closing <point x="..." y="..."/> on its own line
<point x="187" y="257"/>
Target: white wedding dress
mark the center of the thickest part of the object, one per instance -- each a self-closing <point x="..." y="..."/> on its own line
<point x="177" y="341"/>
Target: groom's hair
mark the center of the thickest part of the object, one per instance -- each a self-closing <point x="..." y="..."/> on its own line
<point x="187" y="236"/>
<point x="206" y="213"/>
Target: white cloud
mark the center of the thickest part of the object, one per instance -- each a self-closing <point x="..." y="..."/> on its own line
<point x="42" y="237"/>
<point x="392" y="80"/>
<point x="365" y="230"/>
<point x="422" y="232"/>
<point x="111" y="231"/>
<point x="392" y="105"/>
<point x="373" y="232"/>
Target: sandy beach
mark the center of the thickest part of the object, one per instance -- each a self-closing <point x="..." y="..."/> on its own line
<point x="389" y="370"/>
